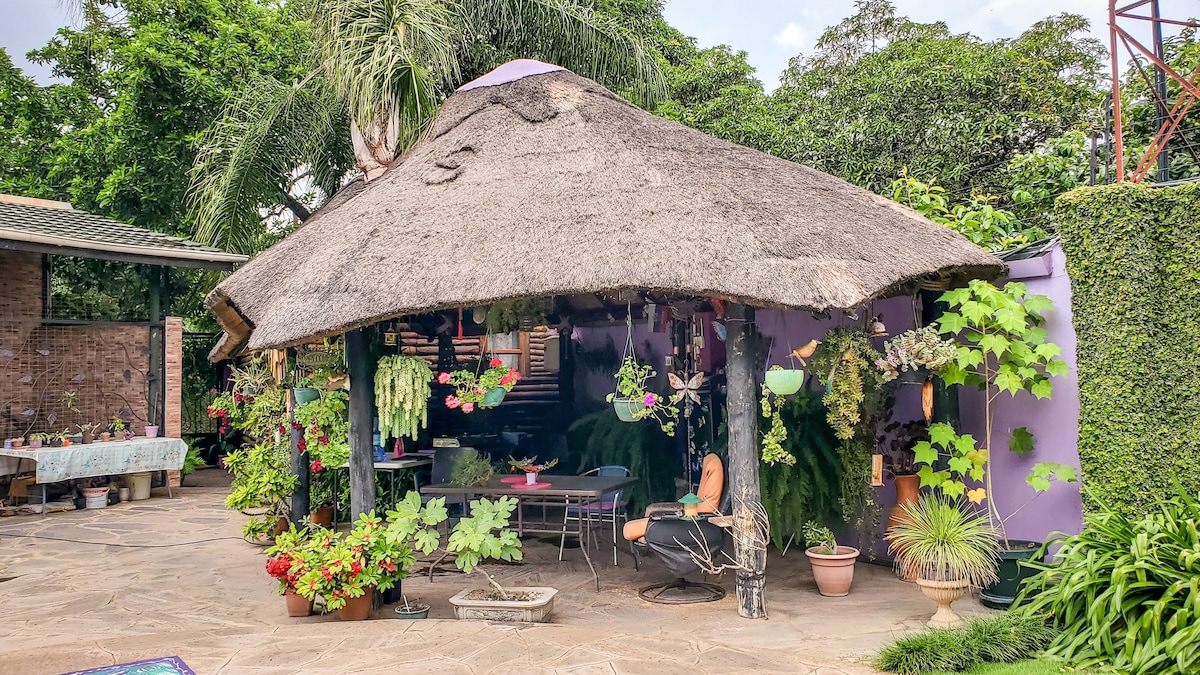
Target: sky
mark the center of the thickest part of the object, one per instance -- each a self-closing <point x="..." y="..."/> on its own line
<point x="771" y="31"/>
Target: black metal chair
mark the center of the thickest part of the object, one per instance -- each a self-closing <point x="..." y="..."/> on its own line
<point x="675" y="541"/>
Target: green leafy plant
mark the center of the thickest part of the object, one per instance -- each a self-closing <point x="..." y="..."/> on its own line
<point x="978" y="219"/>
<point x="1125" y="591"/>
<point x="262" y="479"/>
<point x="505" y="316"/>
<point x="776" y="435"/>
<point x="402" y="395"/>
<point x="469" y="390"/>
<point x="1003" y="349"/>
<point x="290" y="558"/>
<point x="1006" y="638"/>
<point x="915" y="350"/>
<point x="942" y="540"/>
<point x="117" y="425"/>
<point x="326" y="426"/>
<point x="485" y="534"/>
<point x="816" y="535"/>
<point x="192" y="461"/>
<point x="846" y="359"/>
<point x="531" y="464"/>
<point x="631" y="384"/>
<point x="471" y="468"/>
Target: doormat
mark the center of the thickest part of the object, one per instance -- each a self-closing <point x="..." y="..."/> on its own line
<point x="167" y="665"/>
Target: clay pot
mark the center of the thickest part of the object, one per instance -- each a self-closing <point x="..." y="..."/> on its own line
<point x="88" y="437"/>
<point x="908" y="491"/>
<point x="281" y="526"/>
<point x="298" y="605"/>
<point x="322" y="517"/>
<point x="833" y="573"/>
<point x="943" y="593"/>
<point x="358" y="609"/>
<point x="104" y="437"/>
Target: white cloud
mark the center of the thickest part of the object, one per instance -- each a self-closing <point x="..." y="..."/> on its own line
<point x="791" y="37"/>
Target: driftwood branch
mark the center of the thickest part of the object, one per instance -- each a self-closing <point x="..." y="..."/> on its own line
<point x="751" y="531"/>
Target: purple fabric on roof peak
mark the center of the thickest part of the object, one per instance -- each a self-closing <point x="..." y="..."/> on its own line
<point x="511" y="71"/>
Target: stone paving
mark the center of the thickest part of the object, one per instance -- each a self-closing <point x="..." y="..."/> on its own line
<point x="174" y="577"/>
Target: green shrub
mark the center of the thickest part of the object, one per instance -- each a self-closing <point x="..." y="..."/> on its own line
<point x="1126" y="592"/>
<point x="1133" y="255"/>
<point x="1002" y="639"/>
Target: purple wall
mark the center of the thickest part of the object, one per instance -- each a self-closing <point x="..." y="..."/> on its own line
<point x="1054" y="421"/>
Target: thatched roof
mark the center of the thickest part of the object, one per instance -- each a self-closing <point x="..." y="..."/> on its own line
<point x="537" y="182"/>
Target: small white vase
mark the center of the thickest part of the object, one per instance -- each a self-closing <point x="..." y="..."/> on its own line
<point x="530" y="478"/>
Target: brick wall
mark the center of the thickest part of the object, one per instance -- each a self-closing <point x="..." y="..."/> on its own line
<point x="173" y="407"/>
<point x="20" y="285"/>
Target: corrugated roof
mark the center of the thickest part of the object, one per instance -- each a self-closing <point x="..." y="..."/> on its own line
<point x="79" y="232"/>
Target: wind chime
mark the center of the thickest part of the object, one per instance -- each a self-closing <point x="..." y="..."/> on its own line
<point x="688" y="339"/>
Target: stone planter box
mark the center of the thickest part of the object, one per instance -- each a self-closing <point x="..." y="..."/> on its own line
<point x="528" y="611"/>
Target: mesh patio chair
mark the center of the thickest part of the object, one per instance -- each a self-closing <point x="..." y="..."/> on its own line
<point x="610" y="507"/>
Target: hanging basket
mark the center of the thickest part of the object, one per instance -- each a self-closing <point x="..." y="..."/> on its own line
<point x="784" y="381"/>
<point x="628" y="408"/>
<point x="493" y="397"/>
<point x="306" y="395"/>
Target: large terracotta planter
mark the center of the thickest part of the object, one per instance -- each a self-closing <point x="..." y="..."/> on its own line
<point x="358" y="609"/>
<point x="833" y="573"/>
<point x="908" y="491"/>
<point x="298" y="605"/>
<point x="943" y="593"/>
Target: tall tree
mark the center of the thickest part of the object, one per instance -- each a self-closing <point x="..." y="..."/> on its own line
<point x="378" y="70"/>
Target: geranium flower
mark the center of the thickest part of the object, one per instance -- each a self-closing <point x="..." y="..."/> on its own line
<point x="301" y="445"/>
<point x="479" y="391"/>
<point x="223" y="429"/>
<point x="453" y="402"/>
<point x="249" y="399"/>
<point x="443" y="378"/>
<point x="468" y="407"/>
<point x="211" y="411"/>
<point x="323" y="440"/>
<point x="495" y="363"/>
<point x="649" y="400"/>
<point x="297" y="426"/>
<point x="237" y="398"/>
<point x="507" y="379"/>
<point x="316" y="466"/>
<point x="221" y="412"/>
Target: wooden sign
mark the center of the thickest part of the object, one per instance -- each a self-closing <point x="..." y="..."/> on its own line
<point x="876" y="470"/>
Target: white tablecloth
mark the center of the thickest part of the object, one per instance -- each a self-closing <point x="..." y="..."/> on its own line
<point x="98" y="459"/>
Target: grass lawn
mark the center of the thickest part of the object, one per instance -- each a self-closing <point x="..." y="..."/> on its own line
<point x="1019" y="668"/>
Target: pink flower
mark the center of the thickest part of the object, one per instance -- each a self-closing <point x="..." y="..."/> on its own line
<point x="495" y="363"/>
<point x="316" y="466"/>
<point x="649" y="400"/>
<point x="507" y="379"/>
<point x="468" y="407"/>
<point x="301" y="445"/>
<point x="452" y="402"/>
<point x="443" y="378"/>
<point x="479" y="391"/>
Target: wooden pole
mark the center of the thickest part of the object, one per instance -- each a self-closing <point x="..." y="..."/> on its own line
<point x="742" y="404"/>
<point x="362" y="410"/>
<point x="300" y="498"/>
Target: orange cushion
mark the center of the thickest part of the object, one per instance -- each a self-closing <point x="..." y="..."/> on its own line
<point x="712" y="484"/>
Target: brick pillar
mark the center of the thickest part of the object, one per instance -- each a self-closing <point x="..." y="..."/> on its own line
<point x="173" y="390"/>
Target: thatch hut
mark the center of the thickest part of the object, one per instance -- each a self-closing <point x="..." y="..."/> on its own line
<point x="535" y="182"/>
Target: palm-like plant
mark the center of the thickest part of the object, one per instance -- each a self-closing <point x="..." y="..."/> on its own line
<point x="379" y="69"/>
<point x="941" y="541"/>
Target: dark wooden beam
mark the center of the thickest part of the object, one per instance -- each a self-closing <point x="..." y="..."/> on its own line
<point x="362" y="410"/>
<point x="301" y="505"/>
<point x="742" y="405"/>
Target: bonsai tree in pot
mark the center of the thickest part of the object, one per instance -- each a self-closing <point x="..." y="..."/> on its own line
<point x="1003" y="350"/>
<point x="485" y="534"/>
<point x="950" y="548"/>
<point x="832" y="565"/>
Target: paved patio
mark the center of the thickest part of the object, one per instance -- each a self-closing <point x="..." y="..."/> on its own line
<point x="174" y="577"/>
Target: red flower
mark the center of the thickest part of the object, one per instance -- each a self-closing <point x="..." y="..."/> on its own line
<point x="355" y="568"/>
<point x="223" y="429"/>
<point x="323" y="440"/>
<point x="211" y="411"/>
<point x="479" y="391"/>
<point x="326" y="573"/>
<point x="249" y="399"/>
<point x="297" y="426"/>
<point x="222" y="412"/>
<point x="282" y="430"/>
<point x="237" y="398"/>
<point x="301" y="445"/>
<point x="316" y="466"/>
<point x="507" y="379"/>
<point x="495" y="363"/>
<point x="213" y="390"/>
<point x="388" y="565"/>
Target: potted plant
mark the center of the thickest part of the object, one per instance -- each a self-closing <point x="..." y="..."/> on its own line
<point x="88" y="432"/>
<point x="151" y="431"/>
<point x="773" y="439"/>
<point x="897" y="440"/>
<point x="18" y="442"/>
<point x="787" y="381"/>
<point x="832" y="565"/>
<point x="287" y="561"/>
<point x="471" y="468"/>
<point x="633" y="402"/>
<point x="485" y="534"/>
<point x="117" y="427"/>
<point x="531" y="467"/>
<point x="486" y="391"/>
<point x="401" y="395"/>
<point x="915" y="355"/>
<point x="1003" y="350"/>
<point x="37" y="439"/>
<point x="949" y="547"/>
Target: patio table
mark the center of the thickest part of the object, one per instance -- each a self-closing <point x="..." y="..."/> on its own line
<point x="391" y="467"/>
<point x="562" y="491"/>
<point x="137" y="455"/>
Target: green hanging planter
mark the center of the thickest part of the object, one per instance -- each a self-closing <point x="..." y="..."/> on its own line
<point x="306" y="395"/>
<point x="628" y="408"/>
<point x="784" y="381"/>
<point x="493" y="397"/>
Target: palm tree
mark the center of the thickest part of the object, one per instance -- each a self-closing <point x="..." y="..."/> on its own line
<point x="380" y="68"/>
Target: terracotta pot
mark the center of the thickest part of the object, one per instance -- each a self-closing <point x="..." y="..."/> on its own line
<point x="908" y="491"/>
<point x="322" y="517"/>
<point x="358" y="609"/>
<point x="105" y="436"/>
<point x="943" y="593"/>
<point x="281" y="526"/>
<point x="834" y="573"/>
<point x="298" y="605"/>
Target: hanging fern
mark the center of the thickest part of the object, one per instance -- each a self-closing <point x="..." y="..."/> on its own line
<point x="402" y="395"/>
<point x="600" y="439"/>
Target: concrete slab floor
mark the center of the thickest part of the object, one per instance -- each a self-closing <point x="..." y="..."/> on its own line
<point x="165" y="577"/>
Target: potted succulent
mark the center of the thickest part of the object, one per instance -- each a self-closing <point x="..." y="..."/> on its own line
<point x="832" y="565"/>
<point x="531" y="467"/>
<point x="485" y="534"/>
<point x="287" y="561"/>
<point x="916" y="354"/>
<point x="485" y="391"/>
<point x="633" y="402"/>
<point x="949" y="547"/>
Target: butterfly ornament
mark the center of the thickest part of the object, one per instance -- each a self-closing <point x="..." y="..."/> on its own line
<point x="688" y="389"/>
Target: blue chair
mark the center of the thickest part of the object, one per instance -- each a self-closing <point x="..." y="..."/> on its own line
<point x="610" y="507"/>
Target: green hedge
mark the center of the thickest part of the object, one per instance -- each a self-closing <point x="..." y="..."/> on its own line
<point x="1133" y="257"/>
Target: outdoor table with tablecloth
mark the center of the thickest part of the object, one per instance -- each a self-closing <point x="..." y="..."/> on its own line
<point x="562" y="491"/>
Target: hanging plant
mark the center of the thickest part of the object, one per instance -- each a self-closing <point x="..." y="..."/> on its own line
<point x="773" y="451"/>
<point x="505" y="316"/>
<point x="402" y="395"/>
<point x="485" y="391"/>
<point x="326" y="430"/>
<point x="848" y="359"/>
<point x="920" y="350"/>
<point x="633" y="402"/>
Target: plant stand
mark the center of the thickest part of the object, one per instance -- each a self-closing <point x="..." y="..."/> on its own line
<point x="944" y="593"/>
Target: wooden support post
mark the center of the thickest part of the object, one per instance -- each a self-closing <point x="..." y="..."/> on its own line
<point x="362" y="411"/>
<point x="742" y="405"/>
<point x="300" y="498"/>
